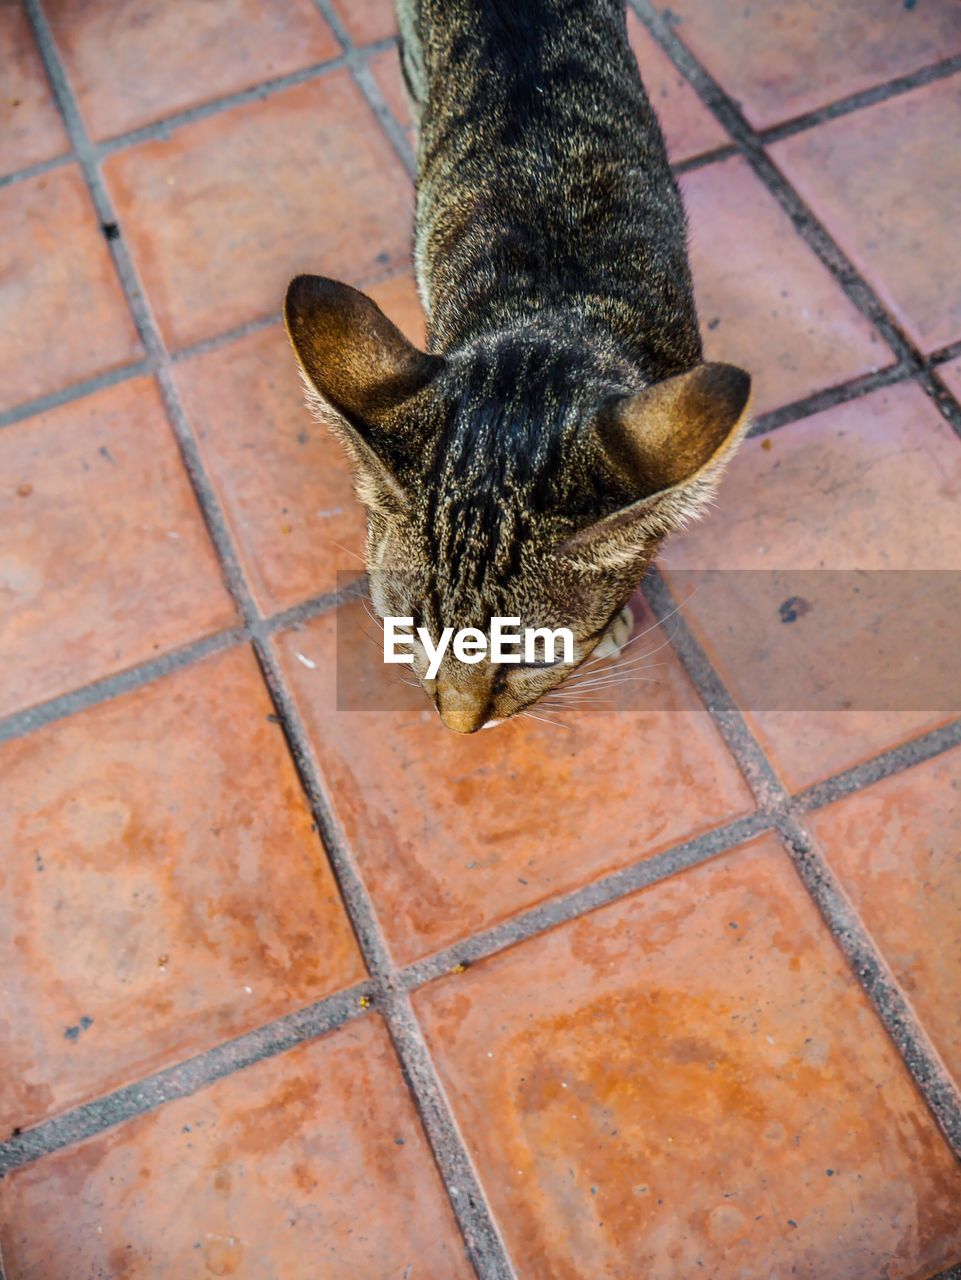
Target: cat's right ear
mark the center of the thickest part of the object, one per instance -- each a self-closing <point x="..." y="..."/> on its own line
<point x="358" y="364"/>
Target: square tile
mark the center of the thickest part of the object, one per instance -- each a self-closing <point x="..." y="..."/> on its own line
<point x="886" y="182"/>
<point x="221" y="214"/>
<point x="691" y="1082"/>
<point x="30" y="126"/>
<point x="689" y="128"/>
<point x="313" y="1163"/>
<point x="105" y="559"/>
<point x="282" y="478"/>
<point x="132" y="62"/>
<point x="367" y="20"/>
<point x="62" y="311"/>
<point x="896" y="848"/>
<point x="870" y="485"/>
<point x="783" y="60"/>
<point x="459" y="832"/>
<point x="764" y="300"/>
<point x="166" y="889"/>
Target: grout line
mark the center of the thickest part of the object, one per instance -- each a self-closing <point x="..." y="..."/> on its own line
<point x="183" y="1079"/>
<point x="951" y="352"/>
<point x="878" y="982"/>
<point x="829" y="398"/>
<point x="864" y="98"/>
<point x="140" y="310"/>
<point x="21" y="723"/>
<point x="35" y="170"/>
<point x="357" y="60"/>
<point x="703" y="160"/>
<point x="484" y="1246"/>
<point x="896" y="760"/>
<point x="876" y="978"/>
<point x="474" y="1216"/>
<point x="758" y="773"/>
<point x="388" y="122"/>
<point x="333" y="20"/>
<point x="161" y="129"/>
<point x="76" y="391"/>
<point x="570" y="906"/>
<point x="806" y="223"/>
<point x="165" y="125"/>
<point x="297" y="614"/>
<point x="224" y="339"/>
<point x="276" y="1037"/>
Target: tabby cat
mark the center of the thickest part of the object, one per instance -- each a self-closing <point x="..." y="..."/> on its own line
<point x="562" y="420"/>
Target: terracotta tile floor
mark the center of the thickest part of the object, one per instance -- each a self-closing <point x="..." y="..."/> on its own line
<point x="297" y="988"/>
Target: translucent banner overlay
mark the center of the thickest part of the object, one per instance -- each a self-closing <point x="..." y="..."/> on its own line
<point x="780" y="640"/>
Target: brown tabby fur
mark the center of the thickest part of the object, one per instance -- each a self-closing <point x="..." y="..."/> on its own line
<point x="562" y="420"/>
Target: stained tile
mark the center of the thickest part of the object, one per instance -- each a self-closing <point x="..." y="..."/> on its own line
<point x="765" y="301"/>
<point x="104" y="558"/>
<point x="303" y="181"/>
<point x="689" y="128"/>
<point x="62" y="312"/>
<point x="886" y="182"/>
<point x="461" y="832"/>
<point x="166" y="889"/>
<point x="367" y="20"/>
<point x="691" y="1081"/>
<point x="30" y="126"/>
<point x="897" y="850"/>
<point x="783" y="60"/>
<point x="281" y="476"/>
<point x="870" y="485"/>
<point x="316" y="1155"/>
<point x="130" y="63"/>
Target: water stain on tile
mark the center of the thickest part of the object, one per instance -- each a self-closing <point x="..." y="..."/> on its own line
<point x="651" y="1091"/>
<point x="188" y="916"/>
<point x="293" y="1158"/>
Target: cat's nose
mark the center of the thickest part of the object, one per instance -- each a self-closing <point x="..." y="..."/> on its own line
<point x="460" y="709"/>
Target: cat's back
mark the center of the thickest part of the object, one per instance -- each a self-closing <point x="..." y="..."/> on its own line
<point x="542" y="171"/>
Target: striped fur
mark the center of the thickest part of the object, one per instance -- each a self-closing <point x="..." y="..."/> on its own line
<point x="562" y="421"/>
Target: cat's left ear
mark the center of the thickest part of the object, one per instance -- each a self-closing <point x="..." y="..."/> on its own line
<point x="668" y="444"/>
<point x="360" y="365"/>
<point x="357" y="360"/>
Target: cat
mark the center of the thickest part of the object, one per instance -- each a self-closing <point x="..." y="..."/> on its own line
<point x="562" y="420"/>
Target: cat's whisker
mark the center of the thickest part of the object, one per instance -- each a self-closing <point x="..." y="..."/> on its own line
<point x="596" y="680"/>
<point x="618" y="662"/>
<point x="370" y="613"/>
<point x="544" y="720"/>
<point x="603" y="675"/>
<point x="660" y="622"/>
<point x="334" y="542"/>
<point x="611" y="684"/>
<point x="573" y="703"/>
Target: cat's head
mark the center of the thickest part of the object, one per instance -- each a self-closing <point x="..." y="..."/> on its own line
<point x="516" y="478"/>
